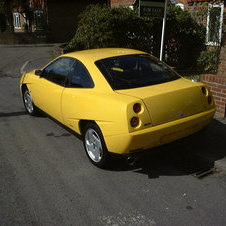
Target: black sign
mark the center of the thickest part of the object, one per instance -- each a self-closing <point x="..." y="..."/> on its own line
<point x="149" y="11"/>
<point x="154" y="8"/>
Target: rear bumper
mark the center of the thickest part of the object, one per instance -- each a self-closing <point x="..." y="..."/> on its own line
<point x="158" y="135"/>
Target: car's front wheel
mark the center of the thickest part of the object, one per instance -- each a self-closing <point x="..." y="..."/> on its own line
<point x="28" y="102"/>
<point x="95" y="146"/>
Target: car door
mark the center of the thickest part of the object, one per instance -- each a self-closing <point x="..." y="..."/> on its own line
<point x="76" y="96"/>
<point x="48" y="90"/>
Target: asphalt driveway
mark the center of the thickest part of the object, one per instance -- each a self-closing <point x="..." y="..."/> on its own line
<point x="46" y="178"/>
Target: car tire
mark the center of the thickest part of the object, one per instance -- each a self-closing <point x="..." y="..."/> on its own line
<point x="95" y="146"/>
<point x="28" y="103"/>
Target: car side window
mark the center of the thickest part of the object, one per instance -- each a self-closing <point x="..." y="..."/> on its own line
<point x="80" y="77"/>
<point x="58" y="71"/>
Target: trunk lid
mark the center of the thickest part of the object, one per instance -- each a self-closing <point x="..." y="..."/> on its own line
<point x="169" y="101"/>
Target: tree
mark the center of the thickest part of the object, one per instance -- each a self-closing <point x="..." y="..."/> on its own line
<point x="185" y="38"/>
<point x="6" y="11"/>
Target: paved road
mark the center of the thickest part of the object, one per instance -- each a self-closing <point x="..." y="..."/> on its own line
<point x="12" y="59"/>
<point x="46" y="179"/>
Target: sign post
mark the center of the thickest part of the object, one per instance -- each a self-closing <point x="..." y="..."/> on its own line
<point x="163" y="30"/>
<point x="155" y="8"/>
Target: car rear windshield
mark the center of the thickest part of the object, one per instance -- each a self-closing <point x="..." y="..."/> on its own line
<point x="133" y="71"/>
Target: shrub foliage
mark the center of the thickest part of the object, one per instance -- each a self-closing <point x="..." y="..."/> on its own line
<point x="208" y="60"/>
<point x="185" y="39"/>
<point x="100" y="26"/>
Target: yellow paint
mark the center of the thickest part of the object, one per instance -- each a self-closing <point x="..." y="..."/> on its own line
<point x="169" y="111"/>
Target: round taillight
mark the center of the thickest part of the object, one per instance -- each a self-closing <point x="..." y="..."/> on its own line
<point x="137" y="108"/>
<point x="203" y="90"/>
<point x="209" y="99"/>
<point x="134" y="122"/>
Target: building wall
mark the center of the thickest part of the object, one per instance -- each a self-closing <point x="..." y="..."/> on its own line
<point x="197" y="8"/>
<point x="117" y="3"/>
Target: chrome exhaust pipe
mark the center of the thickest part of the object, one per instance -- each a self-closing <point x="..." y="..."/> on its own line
<point x="131" y="160"/>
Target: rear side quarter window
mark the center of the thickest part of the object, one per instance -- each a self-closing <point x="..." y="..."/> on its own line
<point x="80" y="77"/>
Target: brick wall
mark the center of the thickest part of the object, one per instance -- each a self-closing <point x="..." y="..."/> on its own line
<point x="217" y="84"/>
<point x="117" y="3"/>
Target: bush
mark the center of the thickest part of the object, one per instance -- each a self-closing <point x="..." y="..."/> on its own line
<point x="185" y="38"/>
<point x="2" y="22"/>
<point x="100" y="26"/>
<point x="208" y="61"/>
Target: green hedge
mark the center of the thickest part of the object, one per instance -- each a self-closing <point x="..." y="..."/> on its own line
<point x="185" y="38"/>
<point x="101" y="26"/>
<point x="208" y="60"/>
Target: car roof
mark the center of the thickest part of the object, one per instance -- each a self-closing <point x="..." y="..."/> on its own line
<point x="98" y="54"/>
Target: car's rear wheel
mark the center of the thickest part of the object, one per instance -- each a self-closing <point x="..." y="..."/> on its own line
<point x="28" y="103"/>
<point x="95" y="146"/>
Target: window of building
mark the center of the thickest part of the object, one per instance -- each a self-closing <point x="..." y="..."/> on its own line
<point x="38" y="20"/>
<point x="16" y="20"/>
<point x="180" y="5"/>
<point x="214" y="24"/>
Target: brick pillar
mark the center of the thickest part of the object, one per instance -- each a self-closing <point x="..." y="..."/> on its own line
<point x="217" y="85"/>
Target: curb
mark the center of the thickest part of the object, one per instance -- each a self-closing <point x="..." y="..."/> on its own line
<point x="221" y="165"/>
<point x="28" y="45"/>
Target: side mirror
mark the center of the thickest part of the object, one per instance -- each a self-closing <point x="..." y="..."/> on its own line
<point x="38" y="72"/>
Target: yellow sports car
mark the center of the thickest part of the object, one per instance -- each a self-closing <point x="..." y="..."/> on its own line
<point x="121" y="101"/>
